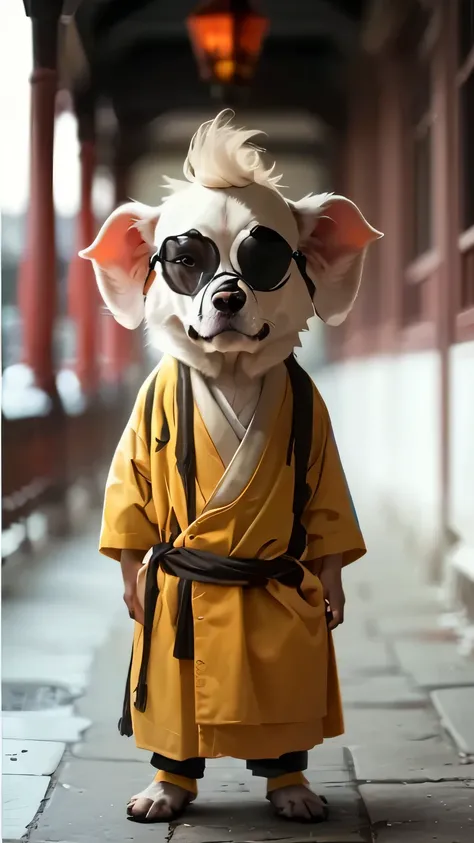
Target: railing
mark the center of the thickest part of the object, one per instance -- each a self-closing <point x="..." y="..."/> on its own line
<point x="44" y="458"/>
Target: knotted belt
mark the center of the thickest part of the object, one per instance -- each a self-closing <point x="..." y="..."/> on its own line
<point x="205" y="567"/>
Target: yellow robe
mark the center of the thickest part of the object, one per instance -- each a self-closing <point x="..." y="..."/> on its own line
<point x="263" y="681"/>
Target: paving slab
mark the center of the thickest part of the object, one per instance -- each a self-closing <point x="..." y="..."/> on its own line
<point x="59" y="633"/>
<point x="434" y="665"/>
<point x="368" y="726"/>
<point x="31" y="758"/>
<point x="384" y="709"/>
<point x="103" y="702"/>
<point x="21" y="664"/>
<point x="88" y="805"/>
<point x="29" y="690"/>
<point x="412" y="625"/>
<point x="456" y="709"/>
<point x="355" y="622"/>
<point x="244" y="818"/>
<point x="430" y="760"/>
<point x="366" y="657"/>
<point x="381" y="692"/>
<point x="420" y="813"/>
<point x="326" y="764"/>
<point x="33" y="725"/>
<point x="105" y="744"/>
<point x="21" y="798"/>
<point x="389" y="603"/>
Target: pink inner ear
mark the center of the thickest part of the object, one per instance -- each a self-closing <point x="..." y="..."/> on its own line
<point x="341" y="230"/>
<point x="118" y="245"/>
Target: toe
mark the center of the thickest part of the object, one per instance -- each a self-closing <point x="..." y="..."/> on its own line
<point x="299" y="810"/>
<point x="160" y="810"/>
<point x="314" y="810"/>
<point x="300" y="804"/>
<point x="307" y="811"/>
<point x="139" y="807"/>
<point x="131" y="802"/>
<point x="284" y="812"/>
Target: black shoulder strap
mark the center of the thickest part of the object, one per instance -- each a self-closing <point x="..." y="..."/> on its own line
<point x="185" y="451"/>
<point x="149" y="402"/>
<point x="300" y="445"/>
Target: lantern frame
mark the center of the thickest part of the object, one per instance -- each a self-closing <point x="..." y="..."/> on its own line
<point x="227" y="38"/>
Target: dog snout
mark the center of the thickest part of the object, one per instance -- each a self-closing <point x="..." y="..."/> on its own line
<point x="229" y="298"/>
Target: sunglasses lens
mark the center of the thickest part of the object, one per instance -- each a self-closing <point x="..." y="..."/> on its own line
<point x="264" y="258"/>
<point x="188" y="261"/>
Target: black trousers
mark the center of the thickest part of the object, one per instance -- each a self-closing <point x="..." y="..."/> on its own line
<point x="268" y="768"/>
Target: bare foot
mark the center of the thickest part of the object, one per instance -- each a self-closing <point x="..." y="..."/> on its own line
<point x="299" y="803"/>
<point x="159" y="802"/>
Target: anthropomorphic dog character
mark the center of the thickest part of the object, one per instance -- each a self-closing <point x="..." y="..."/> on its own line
<point x="226" y="502"/>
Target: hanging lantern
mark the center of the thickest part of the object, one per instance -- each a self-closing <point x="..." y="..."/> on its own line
<point x="227" y="38"/>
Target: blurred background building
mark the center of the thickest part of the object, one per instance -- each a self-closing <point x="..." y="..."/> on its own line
<point x="370" y="98"/>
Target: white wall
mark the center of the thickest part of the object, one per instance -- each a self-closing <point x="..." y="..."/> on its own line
<point x="386" y="417"/>
<point x="462" y="440"/>
<point x="461" y="444"/>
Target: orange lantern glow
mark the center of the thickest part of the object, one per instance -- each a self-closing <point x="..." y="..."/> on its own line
<point x="227" y="38"/>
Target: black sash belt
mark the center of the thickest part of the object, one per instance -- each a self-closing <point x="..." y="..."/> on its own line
<point x="205" y="567"/>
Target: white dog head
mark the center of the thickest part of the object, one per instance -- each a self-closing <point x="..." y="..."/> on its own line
<point x="235" y="268"/>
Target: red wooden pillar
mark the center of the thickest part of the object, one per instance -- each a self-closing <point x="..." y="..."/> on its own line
<point x="37" y="286"/>
<point x="82" y="287"/>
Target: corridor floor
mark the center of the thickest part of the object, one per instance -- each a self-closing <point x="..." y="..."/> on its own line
<point x="404" y="770"/>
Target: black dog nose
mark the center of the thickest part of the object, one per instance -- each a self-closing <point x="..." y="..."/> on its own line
<point x="229" y="298"/>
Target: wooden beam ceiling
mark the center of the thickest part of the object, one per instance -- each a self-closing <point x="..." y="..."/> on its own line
<point x="136" y="47"/>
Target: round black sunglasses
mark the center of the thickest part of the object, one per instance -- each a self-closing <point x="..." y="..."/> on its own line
<point x="190" y="261"/>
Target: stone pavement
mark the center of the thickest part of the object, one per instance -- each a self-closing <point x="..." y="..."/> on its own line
<point x="403" y="771"/>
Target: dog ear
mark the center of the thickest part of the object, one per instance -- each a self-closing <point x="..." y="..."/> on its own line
<point x="334" y="237"/>
<point x="120" y="256"/>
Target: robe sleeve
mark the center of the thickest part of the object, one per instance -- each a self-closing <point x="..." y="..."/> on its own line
<point x="330" y="519"/>
<point x="129" y="519"/>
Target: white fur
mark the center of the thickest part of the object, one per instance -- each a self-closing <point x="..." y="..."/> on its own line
<point x="222" y="156"/>
<point x="227" y="191"/>
<point x="222" y="215"/>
